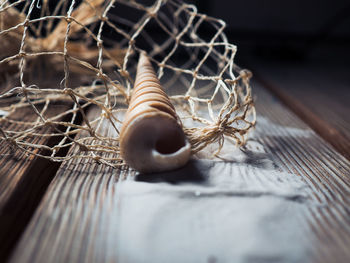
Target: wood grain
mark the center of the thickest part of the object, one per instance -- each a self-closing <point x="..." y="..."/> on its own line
<point x="317" y="92"/>
<point x="282" y="198"/>
<point x="327" y="173"/>
<point x="23" y="180"/>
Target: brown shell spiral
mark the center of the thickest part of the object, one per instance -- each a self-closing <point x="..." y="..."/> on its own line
<point x="152" y="138"/>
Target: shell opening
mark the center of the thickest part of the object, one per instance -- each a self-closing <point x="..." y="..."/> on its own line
<point x="170" y="144"/>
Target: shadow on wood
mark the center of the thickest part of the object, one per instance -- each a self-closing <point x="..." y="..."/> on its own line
<point x="188" y="173"/>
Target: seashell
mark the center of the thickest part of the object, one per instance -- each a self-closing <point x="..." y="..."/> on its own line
<point x="151" y="137"/>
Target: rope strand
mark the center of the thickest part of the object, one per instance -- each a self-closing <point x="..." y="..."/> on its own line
<point x="85" y="54"/>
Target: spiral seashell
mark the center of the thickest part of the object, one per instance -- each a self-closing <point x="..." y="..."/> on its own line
<point x="151" y="137"/>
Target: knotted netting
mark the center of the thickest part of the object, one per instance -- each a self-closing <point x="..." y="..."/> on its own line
<point x="60" y="58"/>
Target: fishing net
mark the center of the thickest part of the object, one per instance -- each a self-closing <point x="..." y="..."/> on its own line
<point x="60" y="58"/>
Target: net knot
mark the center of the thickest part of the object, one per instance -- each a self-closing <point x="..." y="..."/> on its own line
<point x="245" y="74"/>
<point x="221" y="125"/>
<point x="56" y="148"/>
<point x="106" y="113"/>
<point x="152" y="13"/>
<point x="132" y="42"/>
<point x="26" y="22"/>
<point x="101" y="75"/>
<point x="68" y="91"/>
<point x="230" y="81"/>
<point x="124" y="73"/>
<point x="103" y="18"/>
<point x="69" y="19"/>
<point x="22" y="54"/>
<point x="220" y="128"/>
<point x="48" y="123"/>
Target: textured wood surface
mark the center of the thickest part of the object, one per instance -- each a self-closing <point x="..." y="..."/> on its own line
<point x="318" y="92"/>
<point x="23" y="180"/>
<point x="283" y="198"/>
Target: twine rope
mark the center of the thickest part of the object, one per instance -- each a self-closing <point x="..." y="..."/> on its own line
<point x="93" y="49"/>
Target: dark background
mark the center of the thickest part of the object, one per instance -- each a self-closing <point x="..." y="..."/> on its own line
<point x="287" y="30"/>
<point x="300" y="51"/>
<point x="276" y="29"/>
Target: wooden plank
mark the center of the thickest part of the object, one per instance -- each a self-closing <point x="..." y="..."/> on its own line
<point x="318" y="92"/>
<point x="283" y="198"/>
<point x="23" y="179"/>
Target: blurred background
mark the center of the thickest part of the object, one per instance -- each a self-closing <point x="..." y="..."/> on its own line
<point x="285" y="30"/>
<point x="300" y="51"/>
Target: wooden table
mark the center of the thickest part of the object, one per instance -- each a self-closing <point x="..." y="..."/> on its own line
<point x="284" y="197"/>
